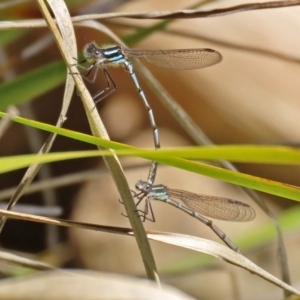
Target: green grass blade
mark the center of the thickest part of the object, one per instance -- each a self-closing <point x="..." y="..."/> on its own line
<point x="253" y="182"/>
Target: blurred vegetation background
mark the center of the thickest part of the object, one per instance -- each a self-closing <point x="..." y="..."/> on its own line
<point x="251" y="97"/>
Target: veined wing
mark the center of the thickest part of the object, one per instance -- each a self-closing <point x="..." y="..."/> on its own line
<point x="181" y="59"/>
<point x="215" y="207"/>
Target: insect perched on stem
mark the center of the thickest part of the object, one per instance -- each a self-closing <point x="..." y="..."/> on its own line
<point x="196" y="206"/>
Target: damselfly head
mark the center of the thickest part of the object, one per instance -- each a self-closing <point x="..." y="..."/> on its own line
<point x="91" y="52"/>
<point x="143" y="186"/>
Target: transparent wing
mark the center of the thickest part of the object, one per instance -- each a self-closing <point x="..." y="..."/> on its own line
<point x="182" y="59"/>
<point x="215" y="207"/>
